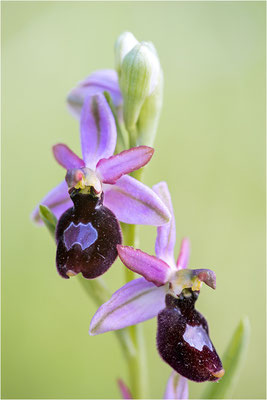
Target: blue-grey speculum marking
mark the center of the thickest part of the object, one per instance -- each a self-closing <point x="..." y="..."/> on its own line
<point x="83" y="234"/>
<point x="197" y="337"/>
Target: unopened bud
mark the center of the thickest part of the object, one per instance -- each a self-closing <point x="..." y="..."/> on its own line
<point x="149" y="115"/>
<point x="139" y="77"/>
<point x="141" y="83"/>
<point x="124" y="44"/>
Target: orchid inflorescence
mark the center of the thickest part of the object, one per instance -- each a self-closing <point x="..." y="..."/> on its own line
<point x="97" y="193"/>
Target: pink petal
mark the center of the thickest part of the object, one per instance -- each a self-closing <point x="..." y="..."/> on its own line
<point x="134" y="203"/>
<point x="125" y="392"/>
<point x="98" y="130"/>
<point x="112" y="168"/>
<point x="65" y="157"/>
<point x="135" y="302"/>
<point x="152" y="268"/>
<point x="97" y="82"/>
<point x="177" y="387"/>
<point x="58" y="200"/>
<point x="166" y="235"/>
<point x="184" y="254"/>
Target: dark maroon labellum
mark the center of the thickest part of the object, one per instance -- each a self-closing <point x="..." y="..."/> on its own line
<point x="87" y="236"/>
<point x="183" y="339"/>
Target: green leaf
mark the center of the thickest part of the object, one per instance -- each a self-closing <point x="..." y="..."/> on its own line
<point x="49" y="219"/>
<point x="233" y="361"/>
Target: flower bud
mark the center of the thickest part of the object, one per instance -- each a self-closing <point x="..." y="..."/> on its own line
<point x="149" y="115"/>
<point x="125" y="42"/>
<point x="141" y="83"/>
<point x="183" y="339"/>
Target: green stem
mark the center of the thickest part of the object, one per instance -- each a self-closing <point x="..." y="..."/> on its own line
<point x="138" y="174"/>
<point x="130" y="231"/>
<point x="132" y="136"/>
<point x="128" y="240"/>
<point x="136" y="362"/>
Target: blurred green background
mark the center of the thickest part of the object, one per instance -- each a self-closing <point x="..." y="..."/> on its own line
<point x="210" y="148"/>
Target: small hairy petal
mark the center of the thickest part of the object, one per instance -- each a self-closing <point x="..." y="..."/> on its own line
<point x="97" y="82"/>
<point x="137" y="301"/>
<point x="177" y="387"/>
<point x="134" y="203"/>
<point x="151" y="267"/>
<point x="66" y="157"/>
<point x="98" y="130"/>
<point x="112" y="168"/>
<point x="125" y="392"/>
<point x="166" y="235"/>
<point x="184" y="254"/>
<point x="58" y="200"/>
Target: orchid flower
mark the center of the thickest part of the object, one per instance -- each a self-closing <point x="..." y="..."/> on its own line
<point x="130" y="200"/>
<point x="143" y="298"/>
<point x="176" y="388"/>
<point x="88" y="233"/>
<point x="169" y="290"/>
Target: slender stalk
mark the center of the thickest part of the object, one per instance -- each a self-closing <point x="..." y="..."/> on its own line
<point x="132" y="136"/>
<point x="137" y="362"/>
<point x="138" y="174"/>
<point x="128" y="232"/>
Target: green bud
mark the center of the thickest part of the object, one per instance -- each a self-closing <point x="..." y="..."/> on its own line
<point x="149" y="116"/>
<point x="125" y="42"/>
<point x="141" y="83"/>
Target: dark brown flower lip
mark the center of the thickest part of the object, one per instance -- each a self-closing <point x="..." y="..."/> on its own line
<point x="87" y="237"/>
<point x="183" y="339"/>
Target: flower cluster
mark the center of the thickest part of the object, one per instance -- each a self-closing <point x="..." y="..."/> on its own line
<point x="97" y="193"/>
